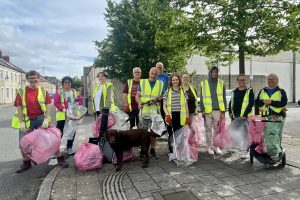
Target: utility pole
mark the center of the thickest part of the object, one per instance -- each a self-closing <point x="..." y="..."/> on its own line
<point x="294" y="77"/>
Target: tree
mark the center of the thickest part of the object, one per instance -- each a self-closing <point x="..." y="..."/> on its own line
<point x="131" y="41"/>
<point x="253" y="27"/>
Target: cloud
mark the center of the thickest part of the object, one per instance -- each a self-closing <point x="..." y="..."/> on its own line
<point x="52" y="36"/>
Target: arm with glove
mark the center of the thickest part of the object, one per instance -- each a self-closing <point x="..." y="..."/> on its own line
<point x="46" y="121"/>
<point x="168" y="117"/>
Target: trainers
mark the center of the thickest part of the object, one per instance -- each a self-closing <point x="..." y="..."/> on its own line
<point x="26" y="165"/>
<point x="70" y="151"/>
<point x="218" y="151"/>
<point x="245" y="156"/>
<point x="153" y="154"/>
<point x="141" y="158"/>
<point x="210" y="151"/>
<point x="172" y="156"/>
<point x="61" y="162"/>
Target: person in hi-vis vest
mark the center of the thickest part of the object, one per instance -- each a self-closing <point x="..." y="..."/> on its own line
<point x="213" y="105"/>
<point x="64" y="98"/>
<point x="241" y="103"/>
<point x="175" y="107"/>
<point x="148" y="97"/>
<point x="129" y="92"/>
<point x="191" y="93"/>
<point x="33" y="111"/>
<point x="103" y="95"/>
<point x="272" y="99"/>
<point x="242" y="100"/>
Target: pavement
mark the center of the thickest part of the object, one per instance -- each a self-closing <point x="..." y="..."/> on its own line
<point x="227" y="176"/>
<point x="211" y="177"/>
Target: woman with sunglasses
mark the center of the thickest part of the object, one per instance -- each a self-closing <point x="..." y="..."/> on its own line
<point x="63" y="98"/>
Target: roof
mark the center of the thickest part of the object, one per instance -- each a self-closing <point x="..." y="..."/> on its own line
<point x="11" y="66"/>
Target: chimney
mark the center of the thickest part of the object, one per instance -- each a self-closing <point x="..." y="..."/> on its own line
<point x="6" y="58"/>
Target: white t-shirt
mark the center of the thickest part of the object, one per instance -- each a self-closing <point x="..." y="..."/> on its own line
<point x="97" y="98"/>
<point x="69" y="96"/>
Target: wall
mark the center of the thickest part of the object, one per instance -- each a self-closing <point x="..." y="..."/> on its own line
<point x="281" y="64"/>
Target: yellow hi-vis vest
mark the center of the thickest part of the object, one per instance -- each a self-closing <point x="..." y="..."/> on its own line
<point x="129" y="82"/>
<point x="104" y="94"/>
<point x="206" y="95"/>
<point x="276" y="96"/>
<point x="60" y="115"/>
<point x="183" y="106"/>
<point x="16" y="123"/>
<point x="195" y="95"/>
<point x="148" y="94"/>
<point x="244" y="104"/>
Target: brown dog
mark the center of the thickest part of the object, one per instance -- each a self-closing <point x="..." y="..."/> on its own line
<point x="123" y="140"/>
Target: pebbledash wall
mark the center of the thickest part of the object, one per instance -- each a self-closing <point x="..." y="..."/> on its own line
<point x="281" y="64"/>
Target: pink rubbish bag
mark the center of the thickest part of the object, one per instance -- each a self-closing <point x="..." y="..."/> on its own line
<point x="260" y="149"/>
<point x="185" y="153"/>
<point x="127" y="156"/>
<point x="40" y="144"/>
<point x="198" y="128"/>
<point x="221" y="138"/>
<point x="88" y="157"/>
<point x="256" y="131"/>
<point x="96" y="124"/>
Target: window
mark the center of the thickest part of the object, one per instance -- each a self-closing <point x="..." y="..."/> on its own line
<point x="6" y="77"/>
<point x="1" y="74"/>
<point x="7" y="92"/>
<point x="11" y="76"/>
<point x="15" y="77"/>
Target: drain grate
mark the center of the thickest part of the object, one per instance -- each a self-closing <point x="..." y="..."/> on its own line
<point x="186" y="195"/>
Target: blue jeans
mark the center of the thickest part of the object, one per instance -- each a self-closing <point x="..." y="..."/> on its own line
<point x="34" y="124"/>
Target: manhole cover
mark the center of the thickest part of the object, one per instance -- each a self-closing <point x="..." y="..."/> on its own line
<point x="186" y="195"/>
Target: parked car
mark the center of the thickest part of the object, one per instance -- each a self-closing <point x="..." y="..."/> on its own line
<point x="228" y="97"/>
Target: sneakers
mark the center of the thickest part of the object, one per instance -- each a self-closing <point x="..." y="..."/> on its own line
<point x="61" y="162"/>
<point x="210" y="151"/>
<point x="141" y="158"/>
<point x="172" y="156"/>
<point x="245" y="156"/>
<point x="26" y="165"/>
<point x="217" y="151"/>
<point x="153" y="154"/>
<point x="70" y="151"/>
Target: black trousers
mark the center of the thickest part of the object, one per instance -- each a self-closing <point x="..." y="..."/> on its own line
<point x="175" y="126"/>
<point x="60" y="125"/>
<point x="134" y="118"/>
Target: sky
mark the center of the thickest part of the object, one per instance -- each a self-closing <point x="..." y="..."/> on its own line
<point x="54" y="37"/>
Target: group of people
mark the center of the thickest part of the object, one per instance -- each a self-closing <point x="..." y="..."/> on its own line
<point x="174" y="98"/>
<point x="177" y="101"/>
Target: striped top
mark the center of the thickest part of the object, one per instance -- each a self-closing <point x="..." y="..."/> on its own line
<point x="175" y="100"/>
